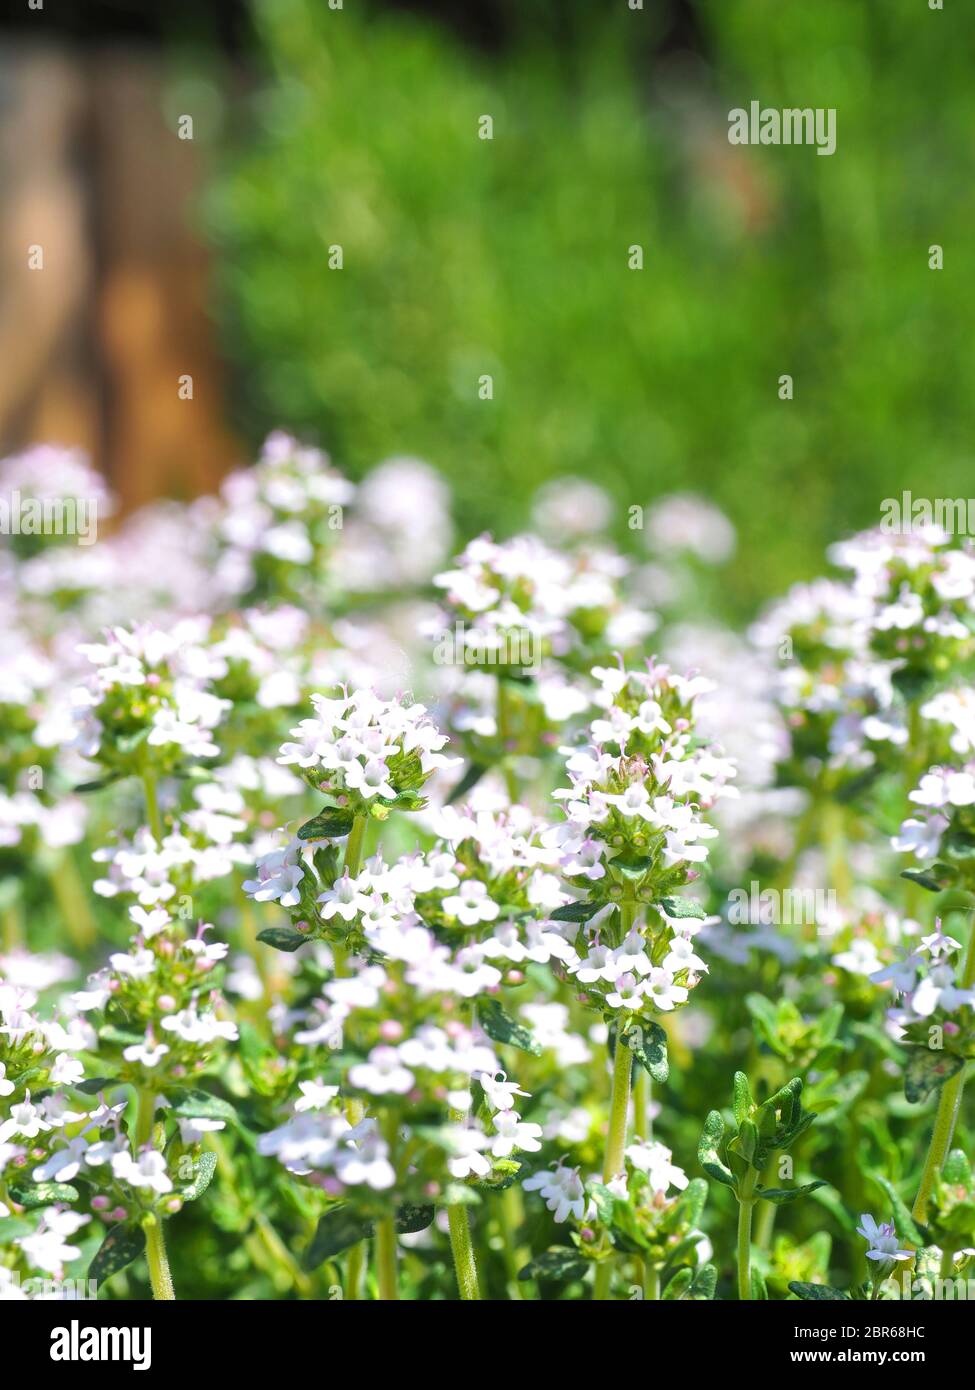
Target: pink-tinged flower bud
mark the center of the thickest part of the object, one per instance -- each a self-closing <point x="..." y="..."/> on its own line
<point x="390" y="1030"/>
<point x="167" y="1003"/>
<point x="333" y="1187"/>
<point x="303" y="926"/>
<point x="99" y="1203"/>
<point x="152" y="679"/>
<point x="587" y="1233"/>
<point x="37" y="1153"/>
<point x="515" y="977"/>
<point x="118" y="1214"/>
<point x="173" y="1205"/>
<point x="179" y="1071"/>
<point x="432" y="1189"/>
<point x="951" y="1028"/>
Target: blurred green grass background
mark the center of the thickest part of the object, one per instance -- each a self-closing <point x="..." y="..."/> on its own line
<point x="465" y="256"/>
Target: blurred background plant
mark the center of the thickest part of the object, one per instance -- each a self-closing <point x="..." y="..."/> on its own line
<point x="358" y="127"/>
<point x="509" y="257"/>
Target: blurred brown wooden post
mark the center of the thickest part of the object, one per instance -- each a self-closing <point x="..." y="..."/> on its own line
<point x="95" y="344"/>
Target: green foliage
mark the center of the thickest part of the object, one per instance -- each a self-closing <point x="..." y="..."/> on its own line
<point x="509" y="257"/>
<point x="760" y="1131"/>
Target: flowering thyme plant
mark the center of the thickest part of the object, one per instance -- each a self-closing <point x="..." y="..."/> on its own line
<point x="371" y="921"/>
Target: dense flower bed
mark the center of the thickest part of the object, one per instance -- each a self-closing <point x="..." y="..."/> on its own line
<point x="372" y="919"/>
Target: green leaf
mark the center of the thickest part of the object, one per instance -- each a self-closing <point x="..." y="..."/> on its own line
<point x="704" y="1283"/>
<point x="818" y="1293"/>
<point x="206" y="1166"/>
<point x="13" y="1227"/>
<point x="957" y="1170"/>
<point x="935" y="880"/>
<point x="690" y="1204"/>
<point x="502" y="1176"/>
<point x="648" y="1043"/>
<point x="330" y="824"/>
<point x="926" y="1070"/>
<point x="120" y="1036"/>
<point x="201" y="1105"/>
<point x="708" y="1150"/>
<point x="759" y="1291"/>
<point x="282" y="938"/>
<point x="680" y="907"/>
<point x="336" y="1231"/>
<point x="467" y="783"/>
<point x="502" y="1028"/>
<point x="121" y="1246"/>
<point x="781" y="1195"/>
<point x="604" y="1201"/>
<point x="92" y="1085"/>
<point x="678" y="1286"/>
<point x="558" y="1263"/>
<point x="43" y="1194"/>
<point x="575" y="912"/>
<point x="83" y="788"/>
<point x="907" y="1227"/>
<point x="411" y="1218"/>
<point x="743" y="1102"/>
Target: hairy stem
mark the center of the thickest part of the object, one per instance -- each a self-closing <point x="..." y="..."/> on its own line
<point x="463" y="1252"/>
<point x="745" y="1203"/>
<point x="159" y="1275"/>
<point x="949" y="1106"/>
<point x="353" y="846"/>
<point x="641" y="1102"/>
<point x="386" y="1259"/>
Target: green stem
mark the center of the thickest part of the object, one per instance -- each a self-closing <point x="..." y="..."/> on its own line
<point x="159" y="1275"/>
<point x="619" y="1106"/>
<point x="949" y="1106"/>
<point x="13" y="927"/>
<point x="71" y="899"/>
<point x="463" y="1252"/>
<point x="510" y="781"/>
<point x="152" y="804"/>
<point x="651" y="1281"/>
<point x="386" y="1259"/>
<point x="765" y="1226"/>
<point x="510" y="1216"/>
<point x="745" y="1203"/>
<point x="834" y="834"/>
<point x="641" y="1102"/>
<point x="353" y="847"/>
<point x="353" y="1272"/>
<point x="766" y="1216"/>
